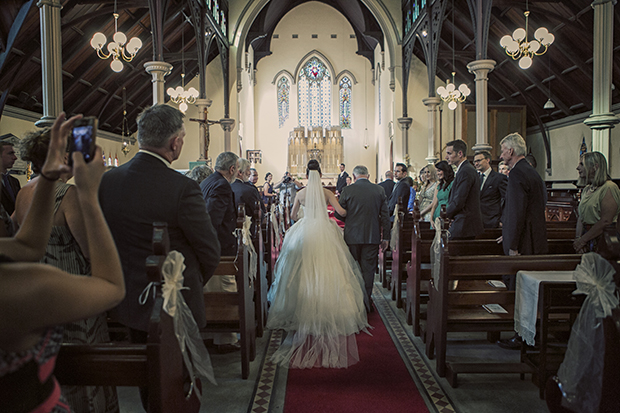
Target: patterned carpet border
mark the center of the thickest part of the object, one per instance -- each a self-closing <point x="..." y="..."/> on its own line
<point x="436" y="399"/>
<point x="268" y="372"/>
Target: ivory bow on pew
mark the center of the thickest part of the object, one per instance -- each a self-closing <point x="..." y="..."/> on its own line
<point x="247" y="241"/>
<point x="198" y="362"/>
<point x="395" y="234"/>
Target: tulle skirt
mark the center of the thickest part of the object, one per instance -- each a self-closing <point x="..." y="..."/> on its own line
<point x="317" y="297"/>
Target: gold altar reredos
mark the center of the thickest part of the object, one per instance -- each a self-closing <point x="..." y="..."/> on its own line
<point x="324" y="145"/>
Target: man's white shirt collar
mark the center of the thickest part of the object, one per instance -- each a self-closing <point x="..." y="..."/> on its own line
<point x="158" y="156"/>
<point x="459" y="167"/>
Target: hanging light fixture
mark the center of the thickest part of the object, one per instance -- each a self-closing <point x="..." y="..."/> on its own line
<point x="117" y="49"/>
<point x="518" y="47"/>
<point x="450" y="93"/>
<point x="180" y="95"/>
<point x="549" y="104"/>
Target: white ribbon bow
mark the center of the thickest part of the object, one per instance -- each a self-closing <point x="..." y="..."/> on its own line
<point x="395" y="233"/>
<point x="436" y="254"/>
<point x="185" y="327"/>
<point x="247" y="241"/>
<point x="595" y="278"/>
<point x="274" y="224"/>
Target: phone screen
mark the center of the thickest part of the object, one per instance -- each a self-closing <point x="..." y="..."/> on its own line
<point x="83" y="140"/>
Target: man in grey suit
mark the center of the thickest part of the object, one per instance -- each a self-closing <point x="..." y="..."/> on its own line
<point x="492" y="190"/>
<point x="367" y="224"/>
<point x="145" y="190"/>
<point x="388" y="184"/>
<point x="464" y="201"/>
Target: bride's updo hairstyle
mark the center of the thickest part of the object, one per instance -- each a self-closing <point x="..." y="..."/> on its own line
<point x="313" y="165"/>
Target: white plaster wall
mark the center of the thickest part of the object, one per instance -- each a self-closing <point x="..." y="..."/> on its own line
<point x="565" y="145"/>
<point x="246" y="104"/>
<point x="305" y="20"/>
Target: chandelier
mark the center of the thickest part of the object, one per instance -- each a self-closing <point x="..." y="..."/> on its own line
<point x="117" y="49"/>
<point x="450" y="93"/>
<point x="179" y="94"/>
<point x="518" y="47"/>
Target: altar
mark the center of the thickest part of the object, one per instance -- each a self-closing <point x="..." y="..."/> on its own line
<point x="324" y="145"/>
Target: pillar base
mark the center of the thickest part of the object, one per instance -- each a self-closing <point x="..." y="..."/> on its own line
<point x="481" y="147"/>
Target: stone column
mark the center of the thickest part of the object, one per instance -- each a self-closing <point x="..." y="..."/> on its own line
<point x="158" y="70"/>
<point x="602" y="119"/>
<point x="51" y="60"/>
<point x="432" y="103"/>
<point x="228" y="125"/>
<point x="203" y="129"/>
<point x="405" y="123"/>
<point x="480" y="68"/>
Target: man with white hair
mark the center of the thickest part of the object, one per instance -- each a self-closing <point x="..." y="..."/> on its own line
<point x="524" y="231"/>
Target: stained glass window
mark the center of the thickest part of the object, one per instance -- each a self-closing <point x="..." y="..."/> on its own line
<point x="314" y="94"/>
<point x="345" y="103"/>
<point x="283" y="99"/>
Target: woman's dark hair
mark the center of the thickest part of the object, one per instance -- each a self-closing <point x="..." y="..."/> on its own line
<point x="448" y="174"/>
<point x="34" y="148"/>
<point x="313" y="165"/>
<point x="267" y="176"/>
<point x="409" y="180"/>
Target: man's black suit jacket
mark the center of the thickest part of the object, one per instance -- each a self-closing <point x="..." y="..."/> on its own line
<point x="7" y="202"/>
<point x="367" y="214"/>
<point x="246" y="193"/>
<point x="492" y="197"/>
<point x="464" y="203"/>
<point x="342" y="181"/>
<point x="220" y="199"/>
<point x="524" y="228"/>
<point x="143" y="191"/>
<point x="388" y="186"/>
<point x="400" y="190"/>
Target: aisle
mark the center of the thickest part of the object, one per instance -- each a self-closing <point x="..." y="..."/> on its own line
<point x="390" y="377"/>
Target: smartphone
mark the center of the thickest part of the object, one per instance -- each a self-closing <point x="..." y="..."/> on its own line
<point x="83" y="138"/>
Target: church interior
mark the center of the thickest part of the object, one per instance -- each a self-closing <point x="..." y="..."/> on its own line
<point x="280" y="82"/>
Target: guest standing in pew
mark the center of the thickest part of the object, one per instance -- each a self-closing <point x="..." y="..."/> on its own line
<point x="600" y="202"/>
<point x="524" y="231"/>
<point x="427" y="191"/>
<point x="199" y="173"/>
<point x="318" y="293"/>
<point x="503" y="169"/>
<point x="220" y="199"/>
<point x="464" y="200"/>
<point x="254" y="179"/>
<point x="10" y="184"/>
<point x="445" y="174"/>
<point x="67" y="250"/>
<point x="36" y="300"/>
<point x="401" y="189"/>
<point x="246" y="193"/>
<point x="342" y="179"/>
<point x="388" y="184"/>
<point x="492" y="190"/>
<point x="145" y="190"/>
<point x="268" y="189"/>
<point x="412" y="194"/>
<point x="367" y="224"/>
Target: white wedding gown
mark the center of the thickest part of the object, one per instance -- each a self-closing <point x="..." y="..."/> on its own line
<point x="318" y="293"/>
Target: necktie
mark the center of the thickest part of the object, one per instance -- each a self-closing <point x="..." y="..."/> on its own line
<point x="481" y="179"/>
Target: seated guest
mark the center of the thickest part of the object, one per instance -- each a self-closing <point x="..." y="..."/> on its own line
<point x="445" y="175"/>
<point x="492" y="190"/>
<point x="67" y="250"/>
<point x="388" y="184"/>
<point x="427" y="191"/>
<point x="600" y="201"/>
<point x="199" y="173"/>
<point x="36" y="300"/>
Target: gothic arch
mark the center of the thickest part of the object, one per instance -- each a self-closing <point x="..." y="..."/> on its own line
<point x="322" y="57"/>
<point x="283" y="72"/>
<point x="346" y="73"/>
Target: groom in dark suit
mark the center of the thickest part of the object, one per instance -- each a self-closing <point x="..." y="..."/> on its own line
<point x="492" y="190"/>
<point x="145" y="190"/>
<point x="367" y="224"/>
<point x="464" y="201"/>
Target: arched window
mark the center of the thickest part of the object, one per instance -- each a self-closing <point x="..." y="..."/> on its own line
<point x="314" y="92"/>
<point x="283" y="99"/>
<point x="345" y="102"/>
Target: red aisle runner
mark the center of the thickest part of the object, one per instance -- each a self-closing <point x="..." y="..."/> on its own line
<point x="379" y="382"/>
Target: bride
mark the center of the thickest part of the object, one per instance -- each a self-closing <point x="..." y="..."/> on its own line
<point x="318" y="293"/>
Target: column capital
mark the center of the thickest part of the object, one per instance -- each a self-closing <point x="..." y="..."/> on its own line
<point x="51" y="3"/>
<point x="431" y="101"/>
<point x="158" y="67"/>
<point x="405" y="123"/>
<point x="227" y="124"/>
<point x="602" y="121"/>
<point x="432" y="160"/>
<point x="203" y="102"/>
<point x="481" y="67"/>
<point x="481" y="147"/>
<point x="601" y="2"/>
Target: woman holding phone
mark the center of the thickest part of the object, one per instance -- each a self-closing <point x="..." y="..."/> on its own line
<point x="36" y="300"/>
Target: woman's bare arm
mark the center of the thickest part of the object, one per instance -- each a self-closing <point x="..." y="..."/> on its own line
<point x="435" y="201"/>
<point x="333" y="201"/>
<point x="608" y="211"/>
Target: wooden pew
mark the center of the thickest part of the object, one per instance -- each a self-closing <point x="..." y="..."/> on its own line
<point x="234" y="311"/>
<point x="401" y="254"/>
<point x="261" y="286"/>
<point x="156" y="365"/>
<point x="418" y="268"/>
<point x="461" y="310"/>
